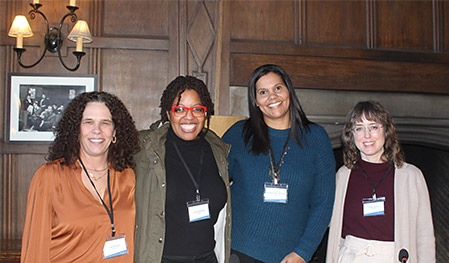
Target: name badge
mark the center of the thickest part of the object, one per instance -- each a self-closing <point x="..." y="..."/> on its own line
<point x="275" y="193"/>
<point x="373" y="207"/>
<point x="198" y="210"/>
<point x="115" y="246"/>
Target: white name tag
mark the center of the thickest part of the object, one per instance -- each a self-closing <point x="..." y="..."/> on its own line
<point x="198" y="210"/>
<point x="115" y="246"/>
<point x="275" y="193"/>
<point x="373" y="207"/>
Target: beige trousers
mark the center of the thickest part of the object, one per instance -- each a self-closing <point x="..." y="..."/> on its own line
<point x="359" y="250"/>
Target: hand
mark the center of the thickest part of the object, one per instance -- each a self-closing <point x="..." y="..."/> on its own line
<point x="293" y="258"/>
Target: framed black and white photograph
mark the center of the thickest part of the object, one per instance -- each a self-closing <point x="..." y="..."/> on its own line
<point x="36" y="103"/>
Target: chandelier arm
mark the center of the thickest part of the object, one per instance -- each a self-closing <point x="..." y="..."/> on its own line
<point x="20" y="51"/>
<point x="78" y="55"/>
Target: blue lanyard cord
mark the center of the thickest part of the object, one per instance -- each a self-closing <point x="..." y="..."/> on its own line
<point x="110" y="212"/>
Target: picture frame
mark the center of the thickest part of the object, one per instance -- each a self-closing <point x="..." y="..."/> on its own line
<point x="36" y="102"/>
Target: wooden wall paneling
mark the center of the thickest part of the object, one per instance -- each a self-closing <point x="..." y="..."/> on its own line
<point x="263" y="20"/>
<point x="138" y="78"/>
<point x="177" y="48"/>
<point x="5" y="197"/>
<point x="201" y="41"/>
<point x="222" y="67"/>
<point x="3" y="91"/>
<point x="136" y="18"/>
<point x="445" y="27"/>
<point x="404" y="25"/>
<point x="348" y="74"/>
<point x="20" y="182"/>
<point x="5" y="19"/>
<point x="337" y="23"/>
<point x="437" y="10"/>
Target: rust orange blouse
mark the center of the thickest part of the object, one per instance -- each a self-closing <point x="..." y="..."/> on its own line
<point x="64" y="223"/>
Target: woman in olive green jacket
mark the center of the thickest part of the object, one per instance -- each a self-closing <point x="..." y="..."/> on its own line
<point x="151" y="178"/>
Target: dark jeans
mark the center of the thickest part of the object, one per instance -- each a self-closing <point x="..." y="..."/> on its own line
<point x="209" y="257"/>
<point x="237" y="257"/>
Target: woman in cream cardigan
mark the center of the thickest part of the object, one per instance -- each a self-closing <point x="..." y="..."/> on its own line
<point x="382" y="208"/>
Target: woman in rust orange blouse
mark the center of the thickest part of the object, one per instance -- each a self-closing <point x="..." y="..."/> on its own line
<point x="80" y="204"/>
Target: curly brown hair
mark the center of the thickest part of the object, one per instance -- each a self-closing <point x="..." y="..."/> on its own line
<point x="67" y="145"/>
<point x="177" y="87"/>
<point x="372" y="111"/>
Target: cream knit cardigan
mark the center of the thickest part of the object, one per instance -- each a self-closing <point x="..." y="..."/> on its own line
<point x="413" y="227"/>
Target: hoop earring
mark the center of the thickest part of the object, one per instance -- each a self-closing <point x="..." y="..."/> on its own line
<point x="114" y="139"/>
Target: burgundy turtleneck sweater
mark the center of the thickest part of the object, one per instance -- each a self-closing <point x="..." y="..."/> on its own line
<point x="379" y="227"/>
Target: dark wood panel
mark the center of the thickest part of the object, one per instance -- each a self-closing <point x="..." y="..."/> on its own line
<point x="138" y="78"/>
<point x="3" y="92"/>
<point x="287" y="48"/>
<point x="15" y="148"/>
<point x="21" y="180"/>
<point x="129" y="43"/>
<point x="136" y="18"/>
<point x="341" y="23"/>
<point x="404" y="24"/>
<point x="445" y="29"/>
<point x="263" y="20"/>
<point x="348" y="74"/>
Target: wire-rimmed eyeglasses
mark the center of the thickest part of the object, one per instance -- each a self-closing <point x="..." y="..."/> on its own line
<point x="373" y="129"/>
<point x="181" y="111"/>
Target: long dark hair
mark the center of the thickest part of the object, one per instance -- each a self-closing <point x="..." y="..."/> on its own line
<point x="177" y="87"/>
<point x="67" y="145"/>
<point x="255" y="127"/>
<point x="372" y="111"/>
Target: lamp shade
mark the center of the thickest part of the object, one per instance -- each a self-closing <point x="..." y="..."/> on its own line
<point x="80" y="30"/>
<point x="20" y="26"/>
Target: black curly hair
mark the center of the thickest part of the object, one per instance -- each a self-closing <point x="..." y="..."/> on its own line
<point x="67" y="144"/>
<point x="177" y="87"/>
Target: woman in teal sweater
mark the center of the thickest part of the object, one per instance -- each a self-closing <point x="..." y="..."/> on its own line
<point x="283" y="173"/>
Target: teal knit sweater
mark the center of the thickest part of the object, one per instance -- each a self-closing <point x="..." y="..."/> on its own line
<point x="270" y="231"/>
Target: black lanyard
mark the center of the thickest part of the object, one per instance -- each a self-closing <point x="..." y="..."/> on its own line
<point x="371" y="183"/>
<point x="274" y="170"/>
<point x="110" y="212"/>
<point x="195" y="183"/>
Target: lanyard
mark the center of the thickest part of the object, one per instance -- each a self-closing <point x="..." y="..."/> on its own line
<point x="371" y="183"/>
<point x="195" y="183"/>
<point x="274" y="170"/>
<point x="110" y="212"/>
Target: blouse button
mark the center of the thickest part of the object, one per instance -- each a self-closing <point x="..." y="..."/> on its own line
<point x="155" y="161"/>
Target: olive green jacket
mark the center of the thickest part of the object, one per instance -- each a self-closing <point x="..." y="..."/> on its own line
<point x="151" y="191"/>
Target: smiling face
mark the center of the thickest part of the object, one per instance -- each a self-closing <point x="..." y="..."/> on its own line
<point x="187" y="127"/>
<point x="96" y="131"/>
<point x="273" y="100"/>
<point x="370" y="144"/>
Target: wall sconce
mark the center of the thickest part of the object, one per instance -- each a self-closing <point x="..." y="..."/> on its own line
<point x="53" y="37"/>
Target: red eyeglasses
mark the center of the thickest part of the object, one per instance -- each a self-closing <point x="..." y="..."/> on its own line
<point x="181" y="111"/>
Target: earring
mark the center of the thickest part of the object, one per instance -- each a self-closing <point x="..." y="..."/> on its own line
<point x="114" y="139"/>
